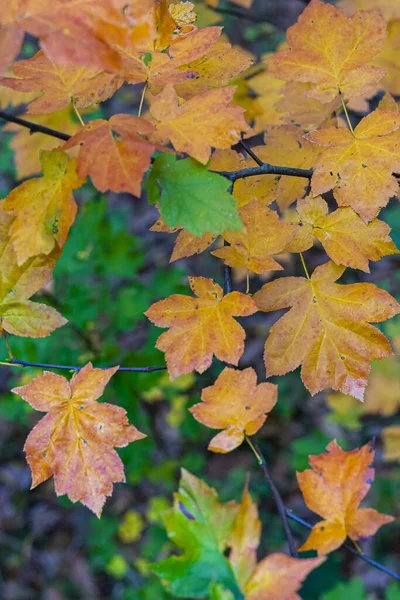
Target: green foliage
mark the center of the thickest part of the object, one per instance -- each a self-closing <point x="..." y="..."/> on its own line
<point x="191" y="196"/>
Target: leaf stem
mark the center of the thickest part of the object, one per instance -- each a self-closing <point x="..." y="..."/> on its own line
<point x="247" y="282"/>
<point x="345" y="112"/>
<point x="142" y="99"/>
<point x="276" y="495"/>
<point x="10" y="354"/>
<point x="82" y="122"/>
<point x="304" y="265"/>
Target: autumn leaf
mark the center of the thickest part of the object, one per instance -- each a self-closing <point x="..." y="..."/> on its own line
<point x="303" y="111"/>
<point x="192" y="197"/>
<point x="211" y="120"/>
<point x="27" y="147"/>
<point x="333" y="488"/>
<point x="388" y="59"/>
<point x="279" y="577"/>
<point x="201" y="327"/>
<point x="359" y="167"/>
<point x="236" y="404"/>
<point x="257" y="187"/>
<point x="214" y="69"/>
<point x="332" y="52"/>
<point x="44" y="208"/>
<point x="264" y="236"/>
<point x="60" y="84"/>
<point x="286" y="145"/>
<point x="114" y="153"/>
<point x="327" y="330"/>
<point x="75" y="441"/>
<point x="18" y="315"/>
<point x="11" y="39"/>
<point x="382" y="395"/>
<point x="345" y="237"/>
<point x="186" y="244"/>
<point x="389" y="9"/>
<point x="245" y="538"/>
<point x="160" y="68"/>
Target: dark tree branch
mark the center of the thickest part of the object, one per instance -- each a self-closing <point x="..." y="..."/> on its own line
<point x="34" y="127"/>
<point x="348" y="547"/>
<point x="25" y="363"/>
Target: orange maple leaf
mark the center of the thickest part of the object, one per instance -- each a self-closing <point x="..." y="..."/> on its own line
<point x="44" y="207"/>
<point x="201" y="327"/>
<point x="18" y="315"/>
<point x="334" y="488"/>
<point x="186" y="244"/>
<point x="236" y="404"/>
<point x="345" y="237"/>
<point x="211" y="120"/>
<point x="60" y="84"/>
<point x="265" y="235"/>
<point x="331" y="51"/>
<point x="114" y="153"/>
<point x="286" y="145"/>
<point x="279" y="577"/>
<point x="75" y="441"/>
<point x="359" y="166"/>
<point x="327" y="330"/>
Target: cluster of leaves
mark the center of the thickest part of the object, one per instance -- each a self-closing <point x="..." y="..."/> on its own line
<point x="331" y="61"/>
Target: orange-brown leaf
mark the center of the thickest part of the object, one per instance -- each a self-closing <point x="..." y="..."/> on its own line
<point x="345" y="237"/>
<point x="332" y="52"/>
<point x="265" y="235"/>
<point x="201" y="327"/>
<point x="279" y="577"/>
<point x="236" y="404"/>
<point x="327" y="330"/>
<point x="75" y="441"/>
<point x="114" y="153"/>
<point x="44" y="208"/>
<point x="186" y="244"/>
<point x="210" y="119"/>
<point x="333" y="488"/>
<point x="359" y="167"/>
<point x="60" y="84"/>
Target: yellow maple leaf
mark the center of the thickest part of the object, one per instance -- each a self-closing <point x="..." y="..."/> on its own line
<point x="43" y="208"/>
<point x="359" y="166"/>
<point x="391" y="442"/>
<point x="327" y="330"/>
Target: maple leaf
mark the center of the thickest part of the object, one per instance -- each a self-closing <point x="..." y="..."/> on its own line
<point x="190" y="196"/>
<point x="359" y="167"/>
<point x="18" y="315"/>
<point x="201" y="327"/>
<point x="302" y="110"/>
<point x="327" y="330"/>
<point x="214" y="69"/>
<point x="333" y="488"/>
<point x="211" y="120"/>
<point x="186" y="244"/>
<point x="114" y="153"/>
<point x="388" y="59"/>
<point x="345" y="237"/>
<point x="246" y="532"/>
<point x="391" y="442"/>
<point x="265" y="235"/>
<point x="11" y="39"/>
<point x="75" y="441"/>
<point x="382" y="395"/>
<point x="27" y="147"/>
<point x="44" y="208"/>
<point x="331" y="51"/>
<point x="245" y="190"/>
<point x="236" y="404"/>
<point x="286" y="145"/>
<point x="159" y="68"/>
<point x="278" y="577"/>
<point x="61" y="85"/>
<point x="389" y="9"/>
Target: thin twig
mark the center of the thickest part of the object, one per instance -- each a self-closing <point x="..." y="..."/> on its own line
<point x="266" y="169"/>
<point x="276" y="495"/>
<point x="25" y="363"/>
<point x="34" y="127"/>
<point x="348" y="547"/>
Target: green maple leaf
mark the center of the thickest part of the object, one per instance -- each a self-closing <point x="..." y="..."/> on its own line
<point x="201" y="527"/>
<point x="191" y="196"/>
